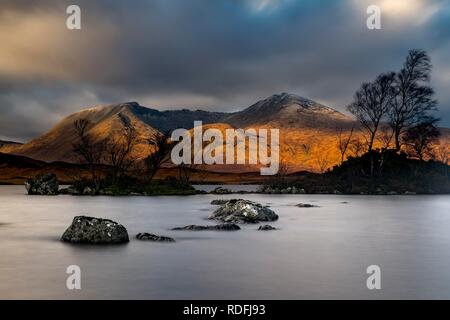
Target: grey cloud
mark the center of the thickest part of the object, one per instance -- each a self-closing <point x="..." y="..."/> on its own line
<point x="216" y="55"/>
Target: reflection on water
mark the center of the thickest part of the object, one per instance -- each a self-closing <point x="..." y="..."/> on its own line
<point x="317" y="253"/>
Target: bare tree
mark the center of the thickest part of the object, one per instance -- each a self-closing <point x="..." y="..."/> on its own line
<point x="419" y="138"/>
<point x="344" y="142"/>
<point x="371" y="104"/>
<point x="185" y="171"/>
<point x="162" y="147"/>
<point x="357" y="147"/>
<point x="90" y="153"/>
<point x="279" y="179"/>
<point x="442" y="153"/>
<point x="322" y="158"/>
<point x="385" y="137"/>
<point x="414" y="98"/>
<point x="306" y="149"/>
<point x="120" y="149"/>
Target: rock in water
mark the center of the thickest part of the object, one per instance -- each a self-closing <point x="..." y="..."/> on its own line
<point x="219" y="227"/>
<point x="88" y="191"/>
<point x="44" y="184"/>
<point x="239" y="210"/>
<point x="266" y="228"/>
<point x="153" y="237"/>
<point x="219" y="202"/>
<point x="221" y="190"/>
<point x="95" y="231"/>
<point x="70" y="190"/>
<point x="306" y="205"/>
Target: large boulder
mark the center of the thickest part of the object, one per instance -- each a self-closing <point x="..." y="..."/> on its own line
<point x="218" y="227"/>
<point x="239" y="210"/>
<point x="95" y="231"/>
<point x="44" y="184"/>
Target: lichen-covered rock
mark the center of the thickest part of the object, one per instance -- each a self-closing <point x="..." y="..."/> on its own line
<point x="239" y="210"/>
<point x="44" y="184"/>
<point x="266" y="228"/>
<point x="95" y="231"/>
<point x="219" y="227"/>
<point x="153" y="237"/>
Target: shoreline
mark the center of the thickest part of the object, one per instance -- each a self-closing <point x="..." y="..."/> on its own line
<point x="231" y="193"/>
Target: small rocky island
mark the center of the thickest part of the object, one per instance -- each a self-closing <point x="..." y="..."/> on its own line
<point x="44" y="185"/>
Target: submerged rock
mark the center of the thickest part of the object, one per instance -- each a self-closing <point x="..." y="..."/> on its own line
<point x="219" y="227"/>
<point x="266" y="228"/>
<point x="153" y="237"/>
<point x="44" y="184"/>
<point x="95" y="231"/>
<point x="239" y="210"/>
<point x="306" y="205"/>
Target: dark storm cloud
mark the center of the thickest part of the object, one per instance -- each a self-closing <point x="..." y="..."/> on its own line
<point x="217" y="55"/>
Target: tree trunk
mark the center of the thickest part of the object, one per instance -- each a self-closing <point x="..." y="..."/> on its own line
<point x="372" y="138"/>
<point x="397" y="140"/>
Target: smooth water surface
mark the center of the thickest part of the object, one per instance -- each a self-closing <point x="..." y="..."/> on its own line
<point x="316" y="253"/>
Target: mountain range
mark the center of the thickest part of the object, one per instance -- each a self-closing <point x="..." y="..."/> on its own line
<point x="308" y="130"/>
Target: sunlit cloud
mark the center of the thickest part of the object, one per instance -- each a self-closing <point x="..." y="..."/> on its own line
<point x="410" y="11"/>
<point x="38" y="46"/>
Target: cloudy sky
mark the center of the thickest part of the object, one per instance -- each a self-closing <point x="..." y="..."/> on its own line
<point x="217" y="55"/>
